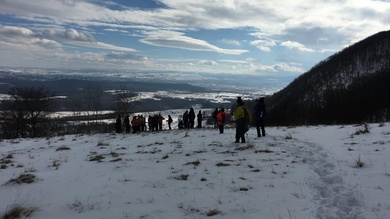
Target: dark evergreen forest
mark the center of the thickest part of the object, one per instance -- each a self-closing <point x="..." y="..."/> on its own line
<point x="351" y="86"/>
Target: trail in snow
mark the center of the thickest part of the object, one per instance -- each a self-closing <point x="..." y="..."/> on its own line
<point x="142" y="175"/>
<point x="335" y="198"/>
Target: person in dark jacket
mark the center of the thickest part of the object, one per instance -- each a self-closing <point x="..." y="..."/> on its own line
<point x="160" y="121"/>
<point x="127" y="123"/>
<point x="186" y="119"/>
<point x="260" y="114"/>
<point x="180" y="124"/>
<point x="215" y="113"/>
<point x="191" y="118"/>
<point x="199" y="117"/>
<point x="155" y="123"/>
<point x="118" y="124"/>
<point x="150" y="121"/>
<point x="170" y="120"/>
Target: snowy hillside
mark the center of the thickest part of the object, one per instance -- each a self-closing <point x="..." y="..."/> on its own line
<point x="336" y="90"/>
<point x="300" y="172"/>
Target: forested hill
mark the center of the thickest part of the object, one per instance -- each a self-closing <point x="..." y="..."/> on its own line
<point x="350" y="86"/>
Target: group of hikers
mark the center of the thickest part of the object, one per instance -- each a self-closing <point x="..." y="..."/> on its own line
<point x="188" y="120"/>
<point x="138" y="123"/>
<point x="242" y="118"/>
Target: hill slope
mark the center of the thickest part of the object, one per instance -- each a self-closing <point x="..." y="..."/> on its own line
<point x="290" y="173"/>
<point x="349" y="87"/>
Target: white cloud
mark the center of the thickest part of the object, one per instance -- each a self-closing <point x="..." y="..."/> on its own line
<point x="126" y="56"/>
<point x="267" y="68"/>
<point x="239" y="61"/>
<point x="234" y="61"/>
<point x="106" y="46"/>
<point x="288" y="68"/>
<point x="250" y="60"/>
<point x="231" y="42"/>
<point x="178" y="40"/>
<point x="207" y="62"/>
<point x="279" y="67"/>
<point x="296" y="45"/>
<point x="271" y="17"/>
<point x="24" y="39"/>
<point x="84" y="39"/>
<point x="69" y="34"/>
<point x="310" y="26"/>
<point x="263" y="45"/>
<point x="17" y="36"/>
<point x="15" y="31"/>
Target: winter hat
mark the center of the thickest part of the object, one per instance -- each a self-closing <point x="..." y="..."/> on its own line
<point x="239" y="100"/>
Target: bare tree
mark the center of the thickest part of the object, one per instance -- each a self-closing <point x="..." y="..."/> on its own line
<point x="97" y="101"/>
<point x="26" y="108"/>
<point x="92" y="103"/>
<point x="125" y="101"/>
<point x="14" y="116"/>
<point x="76" y="107"/>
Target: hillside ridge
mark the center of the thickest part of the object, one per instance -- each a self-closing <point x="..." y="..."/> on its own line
<point x="335" y="89"/>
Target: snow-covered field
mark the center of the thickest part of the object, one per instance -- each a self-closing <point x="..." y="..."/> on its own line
<point x="299" y="172"/>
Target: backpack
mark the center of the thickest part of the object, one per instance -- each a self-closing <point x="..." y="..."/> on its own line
<point x="247" y="116"/>
<point x="223" y="117"/>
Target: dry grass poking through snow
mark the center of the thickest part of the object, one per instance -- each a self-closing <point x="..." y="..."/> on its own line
<point x="196" y="174"/>
<point x="22" y="178"/>
<point x="18" y="211"/>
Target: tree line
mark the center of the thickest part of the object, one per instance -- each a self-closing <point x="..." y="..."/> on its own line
<point x="27" y="112"/>
<point x="366" y="100"/>
<point x="349" y="87"/>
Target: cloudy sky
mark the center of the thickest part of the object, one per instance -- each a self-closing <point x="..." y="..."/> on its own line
<point x="211" y="36"/>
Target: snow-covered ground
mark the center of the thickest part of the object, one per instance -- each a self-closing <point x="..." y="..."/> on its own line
<point x="298" y="172"/>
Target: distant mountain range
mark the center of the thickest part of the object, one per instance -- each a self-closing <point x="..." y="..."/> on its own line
<point x="153" y="90"/>
<point x="351" y="86"/>
<point x="67" y="86"/>
<point x="74" y="89"/>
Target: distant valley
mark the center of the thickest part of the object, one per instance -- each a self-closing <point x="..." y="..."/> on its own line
<point x="336" y="90"/>
<point x="151" y="91"/>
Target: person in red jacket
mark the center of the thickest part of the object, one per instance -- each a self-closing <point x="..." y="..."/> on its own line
<point x="221" y="117"/>
<point x="134" y="123"/>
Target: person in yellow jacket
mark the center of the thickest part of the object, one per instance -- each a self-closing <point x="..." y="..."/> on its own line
<point x="242" y="117"/>
<point x="141" y="123"/>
